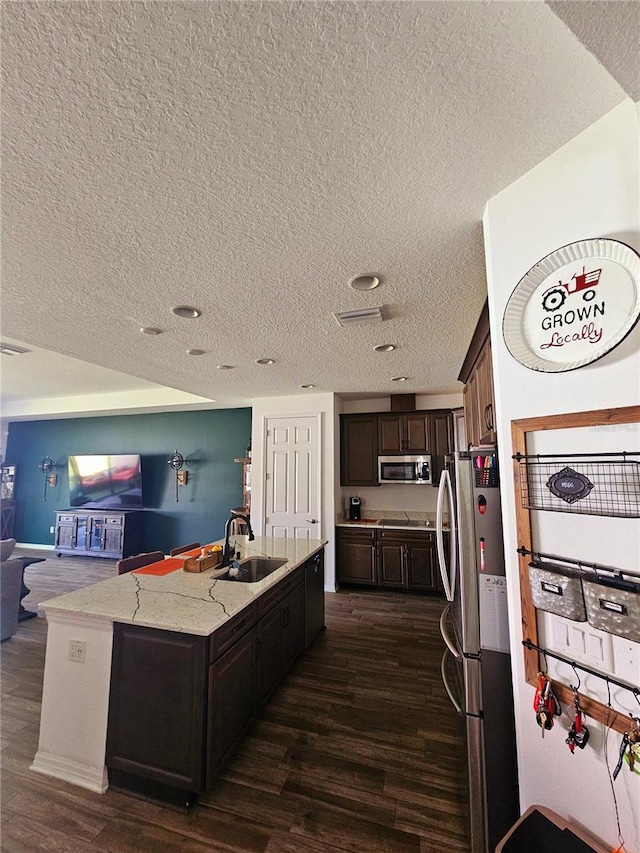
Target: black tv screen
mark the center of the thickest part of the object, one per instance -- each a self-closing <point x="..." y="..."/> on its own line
<point x="105" y="482"/>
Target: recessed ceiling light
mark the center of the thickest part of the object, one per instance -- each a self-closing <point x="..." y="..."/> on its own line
<point x="265" y="361"/>
<point x="308" y="386"/>
<point x="384" y="348"/>
<point x="150" y="330"/>
<point x="365" y="281"/>
<point x="10" y="349"/>
<point x="399" y="378"/>
<point x="186" y="311"/>
<point x="224" y="366"/>
<point x="195" y="352"/>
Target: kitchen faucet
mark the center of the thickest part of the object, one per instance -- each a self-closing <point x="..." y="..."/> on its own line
<point x="226" y="554"/>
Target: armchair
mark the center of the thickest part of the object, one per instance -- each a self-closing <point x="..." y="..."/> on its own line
<point x="10" y="589"/>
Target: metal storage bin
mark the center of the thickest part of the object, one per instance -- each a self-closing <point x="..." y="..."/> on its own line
<point x="613" y="605"/>
<point x="557" y="589"/>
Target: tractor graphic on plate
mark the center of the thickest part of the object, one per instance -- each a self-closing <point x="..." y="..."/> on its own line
<point x="584" y="282"/>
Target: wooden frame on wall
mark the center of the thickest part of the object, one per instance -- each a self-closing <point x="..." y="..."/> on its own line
<point x="519" y="432"/>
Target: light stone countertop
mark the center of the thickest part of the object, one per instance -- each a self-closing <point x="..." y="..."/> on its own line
<point x="193" y="603"/>
<point x="416" y="525"/>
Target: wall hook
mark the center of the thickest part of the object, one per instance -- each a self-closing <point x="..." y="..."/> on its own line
<point x="48" y="466"/>
<point x="176" y="461"/>
<point x="577" y="687"/>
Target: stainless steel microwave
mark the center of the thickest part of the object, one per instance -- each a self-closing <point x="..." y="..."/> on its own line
<point x="405" y="469"/>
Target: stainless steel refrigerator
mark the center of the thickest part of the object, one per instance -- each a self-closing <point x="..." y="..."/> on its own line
<point x="476" y="666"/>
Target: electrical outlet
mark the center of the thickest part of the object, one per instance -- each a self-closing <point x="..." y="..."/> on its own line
<point x="77" y="649"/>
<point x="52" y="529"/>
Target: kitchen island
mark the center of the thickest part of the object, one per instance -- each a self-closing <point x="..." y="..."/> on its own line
<point x="134" y="668"/>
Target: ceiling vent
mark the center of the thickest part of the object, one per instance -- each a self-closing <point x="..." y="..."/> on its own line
<point x="10" y="349"/>
<point x="362" y="315"/>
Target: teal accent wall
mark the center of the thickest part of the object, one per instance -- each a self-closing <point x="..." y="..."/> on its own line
<point x="209" y="441"/>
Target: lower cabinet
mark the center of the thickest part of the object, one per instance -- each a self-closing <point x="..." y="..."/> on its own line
<point x="180" y="704"/>
<point x="356" y="556"/>
<point x="392" y="564"/>
<point x="157" y="712"/>
<point x="231" y="701"/>
<point x="281" y="634"/>
<point x="388" y="559"/>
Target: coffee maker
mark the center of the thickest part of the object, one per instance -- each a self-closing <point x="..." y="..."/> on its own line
<point x="354" y="509"/>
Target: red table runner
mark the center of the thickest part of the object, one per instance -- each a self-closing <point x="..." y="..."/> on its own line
<point x="162" y="567"/>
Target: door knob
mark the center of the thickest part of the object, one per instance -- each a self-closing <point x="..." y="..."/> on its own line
<point x="312" y="521"/>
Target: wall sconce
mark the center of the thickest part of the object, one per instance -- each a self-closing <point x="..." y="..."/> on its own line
<point x="176" y="461"/>
<point x="48" y="466"/>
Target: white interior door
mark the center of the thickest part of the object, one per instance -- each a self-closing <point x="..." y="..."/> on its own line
<point x="292" y="477"/>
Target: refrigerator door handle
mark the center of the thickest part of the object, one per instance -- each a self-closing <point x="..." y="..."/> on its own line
<point x="443" y="673"/>
<point x="449" y="643"/>
<point x="447" y="573"/>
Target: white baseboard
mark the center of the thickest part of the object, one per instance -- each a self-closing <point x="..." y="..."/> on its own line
<point x="37" y="546"/>
<point x="93" y="779"/>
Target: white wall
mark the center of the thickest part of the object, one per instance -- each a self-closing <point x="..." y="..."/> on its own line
<point x="589" y="188"/>
<point x="303" y="404"/>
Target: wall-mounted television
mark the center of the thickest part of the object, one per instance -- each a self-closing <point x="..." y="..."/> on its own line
<point x="105" y="482"/>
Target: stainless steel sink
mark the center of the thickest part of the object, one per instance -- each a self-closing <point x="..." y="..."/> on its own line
<point x="401" y="522"/>
<point x="254" y="569"/>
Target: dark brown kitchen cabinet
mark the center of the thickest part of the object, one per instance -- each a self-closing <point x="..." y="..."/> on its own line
<point x="471" y="415"/>
<point x="423" y="573"/>
<point x="281" y="633"/>
<point x="231" y="700"/>
<point x="486" y="405"/>
<point x="392" y="563"/>
<point x="180" y="704"/>
<point x="388" y="559"/>
<point x="356" y="556"/>
<point x="477" y="375"/>
<point x="408" y="561"/>
<point x="442" y="441"/>
<point x="359" y="450"/>
<point x="157" y="711"/>
<point x="409" y="432"/>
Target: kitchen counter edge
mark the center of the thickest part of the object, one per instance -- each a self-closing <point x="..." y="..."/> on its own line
<point x="186" y="602"/>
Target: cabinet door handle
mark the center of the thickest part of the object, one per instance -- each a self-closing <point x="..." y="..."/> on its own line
<point x="488" y="416"/>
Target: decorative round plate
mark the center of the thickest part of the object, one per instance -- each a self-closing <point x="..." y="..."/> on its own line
<point x="574" y="306"/>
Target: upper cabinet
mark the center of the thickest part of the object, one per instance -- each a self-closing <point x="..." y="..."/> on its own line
<point x="365" y="436"/>
<point x="442" y="441"/>
<point x="359" y="450"/>
<point x="408" y="432"/>
<point x="477" y="376"/>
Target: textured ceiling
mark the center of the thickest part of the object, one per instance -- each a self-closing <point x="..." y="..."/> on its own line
<point x="248" y="159"/>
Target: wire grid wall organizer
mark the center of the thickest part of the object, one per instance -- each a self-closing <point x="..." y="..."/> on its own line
<point x="581" y="483"/>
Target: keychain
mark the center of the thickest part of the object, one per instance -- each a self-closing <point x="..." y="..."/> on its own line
<point x="545" y="703"/>
<point x="629" y="748"/>
<point x="578" y="733"/>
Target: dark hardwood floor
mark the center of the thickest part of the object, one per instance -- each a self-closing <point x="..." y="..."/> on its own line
<point x="358" y="751"/>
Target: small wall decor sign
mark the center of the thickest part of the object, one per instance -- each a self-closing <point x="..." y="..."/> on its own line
<point x="574" y="306"/>
<point x="569" y="485"/>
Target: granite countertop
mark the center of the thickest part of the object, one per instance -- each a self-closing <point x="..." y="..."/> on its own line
<point x="193" y="603"/>
<point x="393" y="523"/>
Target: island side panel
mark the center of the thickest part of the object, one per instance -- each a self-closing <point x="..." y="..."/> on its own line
<point x="75" y="701"/>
